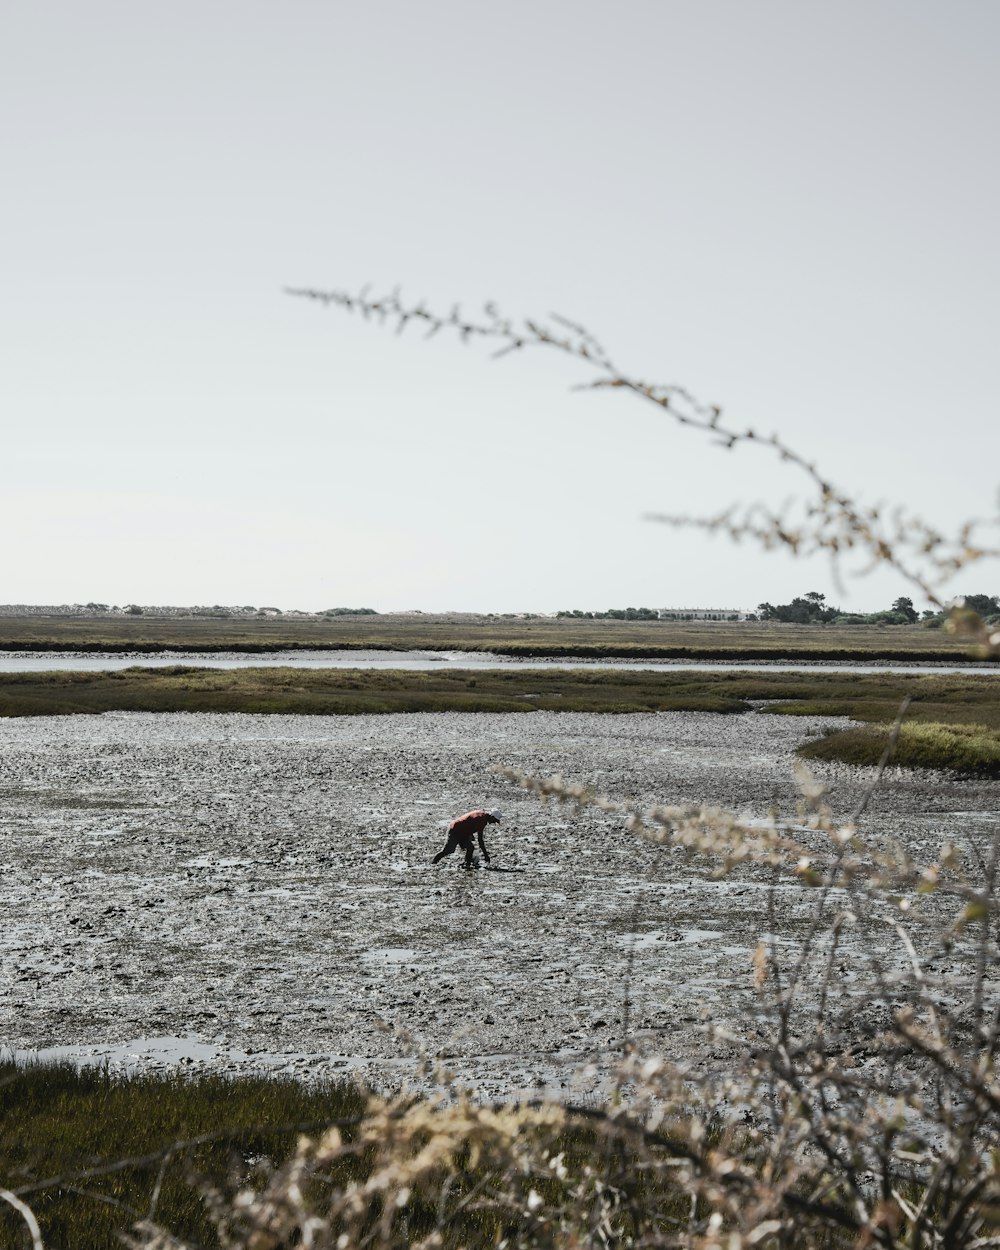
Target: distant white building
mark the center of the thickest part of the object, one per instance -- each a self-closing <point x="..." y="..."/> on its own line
<point x="702" y="614"/>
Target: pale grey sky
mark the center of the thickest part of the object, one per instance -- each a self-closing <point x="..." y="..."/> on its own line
<point x="788" y="206"/>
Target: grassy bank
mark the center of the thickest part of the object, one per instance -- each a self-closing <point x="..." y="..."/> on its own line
<point x="351" y="691"/>
<point x="58" y="1124"/>
<point x="973" y="750"/>
<point x="939" y="702"/>
<point x="88" y="1151"/>
<point x="178" y="688"/>
<point x="504" y="635"/>
<point x="950" y="723"/>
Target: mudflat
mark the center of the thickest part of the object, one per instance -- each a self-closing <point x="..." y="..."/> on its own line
<point x="250" y="891"/>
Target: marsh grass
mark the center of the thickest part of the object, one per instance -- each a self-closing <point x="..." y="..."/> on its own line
<point x="56" y="1121"/>
<point x="973" y="750"/>
<point x="353" y="691"/>
<point x="945" y="698"/>
<point x="951" y="723"/>
<point x="95" y="1153"/>
<point x="514" y="636"/>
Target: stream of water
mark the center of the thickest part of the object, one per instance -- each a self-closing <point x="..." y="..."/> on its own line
<point x="79" y="661"/>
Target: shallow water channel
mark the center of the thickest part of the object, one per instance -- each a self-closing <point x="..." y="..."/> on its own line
<point x="83" y="661"/>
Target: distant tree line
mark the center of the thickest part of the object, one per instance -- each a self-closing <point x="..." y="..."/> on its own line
<point x="813" y="609"/>
<point x="615" y="614"/>
<point x="809" y="609"/>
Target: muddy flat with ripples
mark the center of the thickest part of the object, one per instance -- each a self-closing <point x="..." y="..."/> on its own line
<point x="256" y="891"/>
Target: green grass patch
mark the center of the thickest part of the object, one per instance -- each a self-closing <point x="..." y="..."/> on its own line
<point x="947" y="699"/>
<point x="57" y="1122"/>
<point x="952" y="722"/>
<point x="353" y="691"/>
<point x="972" y="750"/>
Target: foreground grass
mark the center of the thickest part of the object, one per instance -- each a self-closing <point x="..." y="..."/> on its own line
<point x="958" y="716"/>
<point x="719" y="640"/>
<point x="59" y="1128"/>
<point x="92" y="1153"/>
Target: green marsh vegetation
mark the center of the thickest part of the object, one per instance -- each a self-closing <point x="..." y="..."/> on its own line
<point x="953" y="720"/>
<point x="950" y="724"/>
<point x="351" y="691"/>
<point x="969" y="749"/>
<point x="92" y="1152"/>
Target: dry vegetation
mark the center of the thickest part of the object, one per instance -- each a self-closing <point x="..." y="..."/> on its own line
<point x="512" y="636"/>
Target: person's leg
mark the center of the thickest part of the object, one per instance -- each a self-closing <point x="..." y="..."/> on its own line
<point x="449" y="846"/>
<point x="468" y="846"/>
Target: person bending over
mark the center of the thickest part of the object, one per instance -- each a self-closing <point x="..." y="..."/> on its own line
<point x="464" y="829"/>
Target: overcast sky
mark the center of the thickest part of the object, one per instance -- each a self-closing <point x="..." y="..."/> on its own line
<point x="788" y="206"/>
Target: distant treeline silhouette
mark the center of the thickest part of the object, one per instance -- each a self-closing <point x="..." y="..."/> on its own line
<point x="812" y="608"/>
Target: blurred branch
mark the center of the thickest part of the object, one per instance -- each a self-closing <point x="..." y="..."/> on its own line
<point x="833" y="523"/>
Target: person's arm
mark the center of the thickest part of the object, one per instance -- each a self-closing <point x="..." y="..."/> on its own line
<point x="482" y="847"/>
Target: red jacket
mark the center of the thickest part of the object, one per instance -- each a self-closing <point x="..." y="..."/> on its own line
<point x="470" y="823"/>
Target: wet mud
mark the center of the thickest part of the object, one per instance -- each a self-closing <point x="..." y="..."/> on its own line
<point x="256" y="892"/>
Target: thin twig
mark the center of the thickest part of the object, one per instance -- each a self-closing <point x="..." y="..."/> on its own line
<point x="27" y="1215"/>
<point x="887" y="754"/>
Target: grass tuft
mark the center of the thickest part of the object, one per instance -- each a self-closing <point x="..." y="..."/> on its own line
<point x="972" y="750"/>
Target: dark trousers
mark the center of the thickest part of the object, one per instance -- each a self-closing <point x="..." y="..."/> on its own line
<point x="465" y="840"/>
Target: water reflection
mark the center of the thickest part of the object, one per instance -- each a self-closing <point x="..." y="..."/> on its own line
<point x="79" y="661"/>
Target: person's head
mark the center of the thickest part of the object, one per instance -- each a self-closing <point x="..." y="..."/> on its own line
<point x="494" y="814"/>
